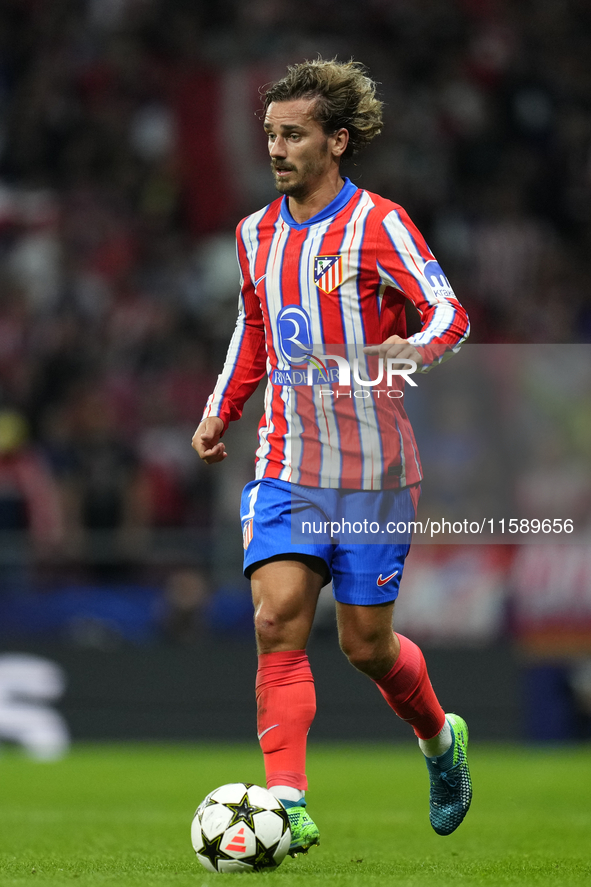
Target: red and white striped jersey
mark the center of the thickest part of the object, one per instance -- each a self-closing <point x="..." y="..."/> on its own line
<point x="337" y="281"/>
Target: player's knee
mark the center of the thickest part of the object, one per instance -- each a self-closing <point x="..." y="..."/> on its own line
<point x="267" y="629"/>
<point x="271" y="629"/>
<point x="368" y="656"/>
<point x="360" y="655"/>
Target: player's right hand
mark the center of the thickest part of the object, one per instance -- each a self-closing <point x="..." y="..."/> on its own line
<point x="206" y="440"/>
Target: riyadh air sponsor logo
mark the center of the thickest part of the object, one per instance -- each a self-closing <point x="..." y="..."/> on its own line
<point x="381" y="581"/>
<point x="322" y="371"/>
<point x="294" y="341"/>
<point x="295" y="334"/>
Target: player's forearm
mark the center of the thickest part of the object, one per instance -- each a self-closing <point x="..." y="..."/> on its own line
<point x="446" y="327"/>
<point x="244" y="367"/>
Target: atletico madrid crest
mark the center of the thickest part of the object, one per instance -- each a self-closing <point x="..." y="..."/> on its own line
<point x="328" y="272"/>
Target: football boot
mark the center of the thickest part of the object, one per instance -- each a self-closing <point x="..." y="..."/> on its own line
<point x="451" y="786"/>
<point x="304" y="831"/>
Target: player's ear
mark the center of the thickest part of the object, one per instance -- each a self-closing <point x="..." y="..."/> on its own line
<point x="340" y="142"/>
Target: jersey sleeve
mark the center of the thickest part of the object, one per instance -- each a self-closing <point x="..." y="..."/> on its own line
<point x="245" y="363"/>
<point x="405" y="262"/>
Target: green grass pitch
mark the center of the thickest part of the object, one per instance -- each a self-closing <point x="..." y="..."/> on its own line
<point x="120" y="815"/>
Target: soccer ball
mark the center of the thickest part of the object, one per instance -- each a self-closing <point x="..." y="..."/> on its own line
<point x="240" y="827"/>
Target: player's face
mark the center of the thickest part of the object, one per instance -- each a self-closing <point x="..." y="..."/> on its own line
<point x="300" y="150"/>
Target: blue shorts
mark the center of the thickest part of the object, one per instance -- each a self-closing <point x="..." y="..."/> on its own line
<point x="352" y="531"/>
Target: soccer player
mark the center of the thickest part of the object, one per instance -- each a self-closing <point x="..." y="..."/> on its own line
<point x="330" y="264"/>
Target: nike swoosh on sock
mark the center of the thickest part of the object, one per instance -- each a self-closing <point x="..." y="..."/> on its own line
<point x="260" y="735"/>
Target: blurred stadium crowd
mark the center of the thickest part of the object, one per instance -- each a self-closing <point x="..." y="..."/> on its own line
<point x="130" y="146"/>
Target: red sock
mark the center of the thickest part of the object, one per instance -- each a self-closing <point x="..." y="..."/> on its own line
<point x="407" y="689"/>
<point x="286" y="705"/>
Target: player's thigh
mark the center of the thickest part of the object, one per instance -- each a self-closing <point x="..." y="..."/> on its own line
<point x="366" y="574"/>
<point x="267" y="511"/>
<point x="285" y="593"/>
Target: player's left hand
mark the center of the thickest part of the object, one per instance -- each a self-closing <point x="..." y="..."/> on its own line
<point x="396" y="346"/>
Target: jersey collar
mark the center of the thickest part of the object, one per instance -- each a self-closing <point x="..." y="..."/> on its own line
<point x="335" y="206"/>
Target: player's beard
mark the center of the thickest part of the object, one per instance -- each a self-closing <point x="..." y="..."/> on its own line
<point x="304" y="177"/>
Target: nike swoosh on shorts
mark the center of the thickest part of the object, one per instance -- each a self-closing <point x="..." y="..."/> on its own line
<point x="387" y="579"/>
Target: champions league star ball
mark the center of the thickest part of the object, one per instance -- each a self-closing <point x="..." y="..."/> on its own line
<point x="240" y="828"/>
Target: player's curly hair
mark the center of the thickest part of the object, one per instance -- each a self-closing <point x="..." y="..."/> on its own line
<point x="346" y="97"/>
